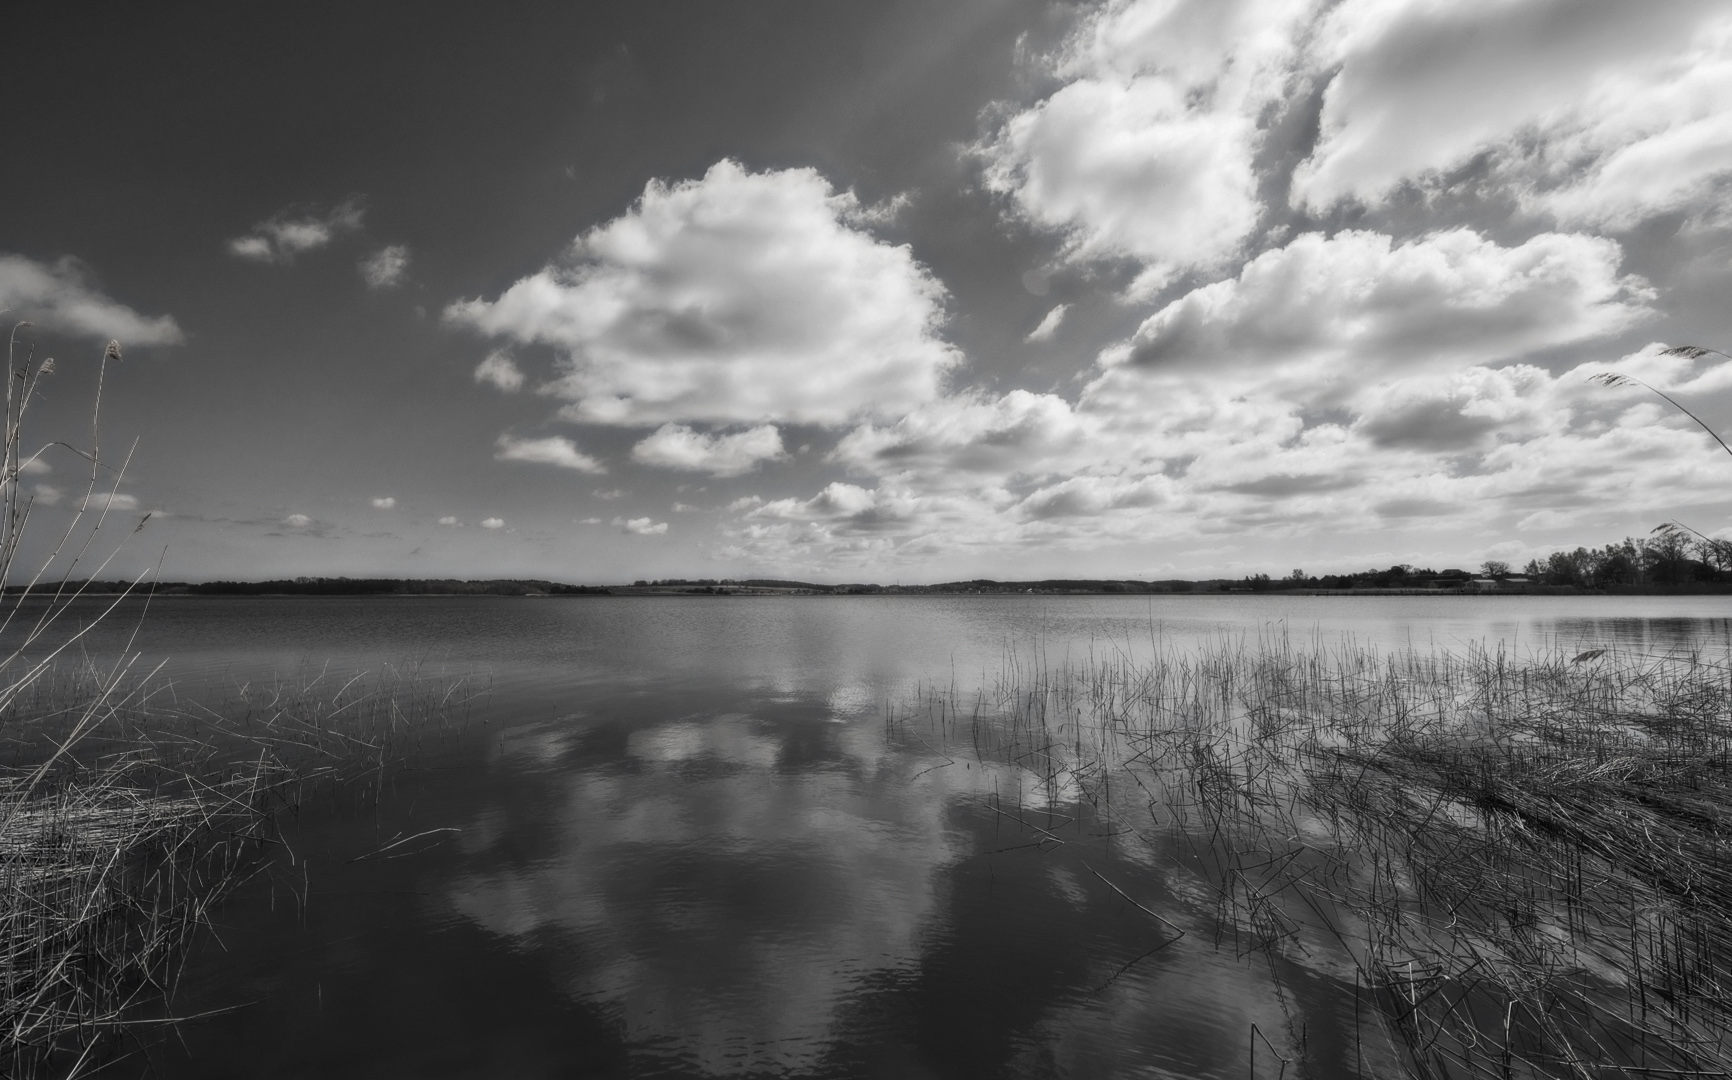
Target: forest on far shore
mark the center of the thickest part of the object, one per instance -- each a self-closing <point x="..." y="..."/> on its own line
<point x="1672" y="556"/>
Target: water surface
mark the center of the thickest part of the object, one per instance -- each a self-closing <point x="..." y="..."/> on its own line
<point x="725" y="837"/>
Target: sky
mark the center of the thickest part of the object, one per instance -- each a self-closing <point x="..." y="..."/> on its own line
<point x="899" y="291"/>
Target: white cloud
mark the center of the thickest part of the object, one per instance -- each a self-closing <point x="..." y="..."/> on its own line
<point x="1337" y="385"/>
<point x="111" y="501"/>
<point x="493" y="523"/>
<point x="386" y="502"/>
<point x="1147" y="150"/>
<point x="676" y="446"/>
<point x="1048" y="325"/>
<point x="553" y="450"/>
<point x="1091" y="496"/>
<point x="642" y="526"/>
<point x="48" y="495"/>
<point x="281" y="238"/>
<point x="737" y="298"/>
<point x="386" y="267"/>
<point x="63" y="298"/>
<point x="608" y="494"/>
<point x="952" y="443"/>
<point x="500" y="370"/>
<point x="1599" y="113"/>
<point x="450" y="522"/>
<point x="297" y="521"/>
<point x="1174" y="460"/>
<point x="1322" y="316"/>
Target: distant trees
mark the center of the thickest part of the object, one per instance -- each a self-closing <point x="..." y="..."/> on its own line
<point x="1671" y="556"/>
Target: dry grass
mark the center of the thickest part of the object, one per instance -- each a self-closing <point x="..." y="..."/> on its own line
<point x="1524" y="864"/>
<point x="112" y="853"/>
<point x="125" y="813"/>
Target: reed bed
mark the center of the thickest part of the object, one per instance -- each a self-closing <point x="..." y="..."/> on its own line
<point x="120" y="829"/>
<point x="125" y="813"/>
<point x="1520" y="865"/>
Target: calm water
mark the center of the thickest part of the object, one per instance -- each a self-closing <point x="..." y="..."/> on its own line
<point x="688" y="845"/>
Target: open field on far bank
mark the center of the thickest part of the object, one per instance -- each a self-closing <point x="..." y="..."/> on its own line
<point x="1519" y="867"/>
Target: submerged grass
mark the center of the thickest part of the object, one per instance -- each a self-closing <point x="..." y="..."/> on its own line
<point x="118" y="832"/>
<point x="1522" y="863"/>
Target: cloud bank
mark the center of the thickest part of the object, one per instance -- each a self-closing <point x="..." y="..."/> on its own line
<point x="1374" y="249"/>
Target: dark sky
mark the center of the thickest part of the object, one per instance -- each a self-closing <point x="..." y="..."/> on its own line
<point x="761" y="282"/>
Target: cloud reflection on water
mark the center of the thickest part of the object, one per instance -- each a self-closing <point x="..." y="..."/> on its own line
<point x="719" y="900"/>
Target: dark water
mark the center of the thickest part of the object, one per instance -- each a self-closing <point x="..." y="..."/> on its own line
<point x="690" y="844"/>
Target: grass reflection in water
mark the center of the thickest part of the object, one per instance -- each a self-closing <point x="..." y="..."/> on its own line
<point x="1504" y="866"/>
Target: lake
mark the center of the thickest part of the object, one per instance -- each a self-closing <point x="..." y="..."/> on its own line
<point x="704" y="836"/>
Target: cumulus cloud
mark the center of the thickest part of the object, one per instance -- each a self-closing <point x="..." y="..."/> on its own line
<point x="297" y="521"/>
<point x="642" y="526"/>
<point x="64" y="298"/>
<point x="676" y="446"/>
<point x="493" y="523"/>
<point x="1596" y="113"/>
<point x="1091" y="496"/>
<point x="1172" y="459"/>
<point x="1323" y="312"/>
<point x="501" y="371"/>
<point x="1335" y="384"/>
<point x="956" y="441"/>
<point x="553" y="450"/>
<point x="451" y="522"/>
<point x="385" y="502"/>
<point x="736" y="298"/>
<point x="1147" y="149"/>
<point x="281" y="238"/>
<point x="386" y="267"/>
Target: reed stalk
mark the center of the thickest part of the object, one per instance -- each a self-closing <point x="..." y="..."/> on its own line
<point x="1523" y="862"/>
<point x="126" y="812"/>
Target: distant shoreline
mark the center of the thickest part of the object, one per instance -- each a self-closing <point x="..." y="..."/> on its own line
<point x="441" y="587"/>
